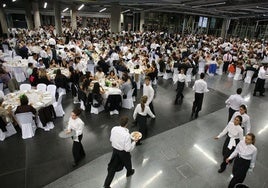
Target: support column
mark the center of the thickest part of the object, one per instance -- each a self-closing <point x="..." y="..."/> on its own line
<point x="84" y="21"/>
<point x="225" y="27"/>
<point x="57" y="13"/>
<point x="73" y="13"/>
<point x="183" y="25"/>
<point x="28" y="14"/>
<point x="37" y="21"/>
<point x="141" y="21"/>
<point x="115" y="18"/>
<point x="3" y="21"/>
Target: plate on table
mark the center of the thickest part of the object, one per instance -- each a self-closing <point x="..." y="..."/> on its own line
<point x="136" y="135"/>
<point x="63" y="134"/>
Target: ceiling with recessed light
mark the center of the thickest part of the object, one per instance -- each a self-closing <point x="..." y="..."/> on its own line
<point x="215" y="8"/>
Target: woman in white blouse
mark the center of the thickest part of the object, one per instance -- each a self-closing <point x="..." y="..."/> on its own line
<point x="140" y="115"/>
<point x="77" y="125"/>
<point x="245" y="118"/>
<point x="245" y="156"/>
<point x="234" y="135"/>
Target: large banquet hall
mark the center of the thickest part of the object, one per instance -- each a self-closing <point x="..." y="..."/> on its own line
<point x="133" y="94"/>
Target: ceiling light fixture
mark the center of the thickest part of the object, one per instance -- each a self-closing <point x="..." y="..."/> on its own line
<point x="102" y="10"/>
<point x="125" y="11"/>
<point x="81" y="7"/>
<point x="13" y="0"/>
<point x="4" y="5"/>
<point x="211" y="4"/>
<point x="65" y="9"/>
<point x="45" y="5"/>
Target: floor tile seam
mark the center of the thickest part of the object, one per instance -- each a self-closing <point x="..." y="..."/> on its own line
<point x="12" y="171"/>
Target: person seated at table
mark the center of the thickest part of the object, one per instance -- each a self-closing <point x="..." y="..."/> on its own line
<point x="99" y="74"/>
<point x="112" y="76"/>
<point x="96" y="97"/>
<point x="40" y="64"/>
<point x="60" y="80"/>
<point x="125" y="85"/>
<point x="114" y="90"/>
<point x="4" y="76"/>
<point x="25" y="106"/>
<point x="85" y="86"/>
<point x="74" y="76"/>
<point x="89" y="76"/>
<point x="5" y="113"/>
<point x="43" y="78"/>
<point x="78" y="66"/>
<point x="29" y="69"/>
<point x="33" y="78"/>
<point x="53" y="64"/>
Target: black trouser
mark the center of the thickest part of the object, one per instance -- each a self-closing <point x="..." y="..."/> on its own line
<point x="226" y="152"/>
<point x="180" y="87"/>
<point x="259" y="86"/>
<point x="197" y="104"/>
<point x="152" y="107"/>
<point x="240" y="169"/>
<point x="78" y="150"/>
<point x="225" y="66"/>
<point x="119" y="159"/>
<point x="231" y="113"/>
<point x="142" y="123"/>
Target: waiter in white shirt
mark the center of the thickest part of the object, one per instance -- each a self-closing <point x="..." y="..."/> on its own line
<point x="234" y="102"/>
<point x="227" y="59"/>
<point x="245" y="156"/>
<point x="259" y="86"/>
<point x="200" y="87"/>
<point x="122" y="146"/>
<point x="180" y="85"/>
<point x="149" y="92"/>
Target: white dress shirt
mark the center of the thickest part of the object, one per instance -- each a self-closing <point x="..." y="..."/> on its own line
<point x="146" y="111"/>
<point x="77" y="125"/>
<point x="149" y="92"/>
<point x="200" y="86"/>
<point x="245" y="121"/>
<point x="235" y="101"/>
<point x="43" y="54"/>
<point x="121" y="139"/>
<point x="234" y="132"/>
<point x="179" y="77"/>
<point x="262" y="73"/>
<point x="248" y="152"/>
<point x="114" y="91"/>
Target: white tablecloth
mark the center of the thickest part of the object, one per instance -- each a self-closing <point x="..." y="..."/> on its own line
<point x="10" y="66"/>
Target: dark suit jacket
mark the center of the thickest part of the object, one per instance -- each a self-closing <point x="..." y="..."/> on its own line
<point x="25" y="108"/>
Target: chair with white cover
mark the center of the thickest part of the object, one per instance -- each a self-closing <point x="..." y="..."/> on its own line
<point x="25" y="87"/>
<point x="167" y="75"/>
<point x="1" y="86"/>
<point x="17" y="58"/>
<point x="91" y="68"/>
<point x="27" y="124"/>
<point x="5" y="48"/>
<point x="175" y="75"/>
<point x="19" y="74"/>
<point x="10" y="130"/>
<point x="189" y="75"/>
<point x="8" y="59"/>
<point x="58" y="106"/>
<point x="201" y="67"/>
<point x="128" y="102"/>
<point x="219" y="70"/>
<point x="52" y="90"/>
<point x="41" y="87"/>
<point x="238" y="75"/>
<point x="96" y="110"/>
<point x="2" y="135"/>
<point x="61" y="90"/>
<point x="2" y="94"/>
<point x="249" y="76"/>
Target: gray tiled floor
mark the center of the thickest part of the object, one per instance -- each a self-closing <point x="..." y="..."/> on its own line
<point x="186" y="156"/>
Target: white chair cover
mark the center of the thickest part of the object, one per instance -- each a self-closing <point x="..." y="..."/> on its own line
<point x="49" y="126"/>
<point x="91" y="68"/>
<point x="1" y="86"/>
<point x="58" y="106"/>
<point x="25" y="87"/>
<point x="97" y="110"/>
<point x="27" y="124"/>
<point x="41" y="87"/>
<point x="52" y="89"/>
<point x="61" y="90"/>
<point x="2" y="94"/>
<point x="167" y="75"/>
<point x="2" y="135"/>
<point x="230" y="75"/>
<point x="201" y="67"/>
<point x="10" y="130"/>
<point x="82" y="105"/>
<point x="8" y="59"/>
<point x="249" y="76"/>
<point x="17" y="58"/>
<point x="19" y="74"/>
<point x="219" y="70"/>
<point x="5" y="48"/>
<point x="238" y="75"/>
<point x="189" y="75"/>
<point x="128" y="102"/>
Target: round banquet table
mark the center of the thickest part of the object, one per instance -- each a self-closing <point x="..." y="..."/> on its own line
<point x="51" y="72"/>
<point x="12" y="65"/>
<point x="38" y="99"/>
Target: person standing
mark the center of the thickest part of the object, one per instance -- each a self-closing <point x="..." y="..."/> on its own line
<point x="234" y="102"/>
<point x="234" y="135"/>
<point x="245" y="118"/>
<point x="245" y="156"/>
<point x="180" y="85"/>
<point x="140" y="115"/>
<point x="149" y="92"/>
<point x="76" y="124"/>
<point x="259" y="86"/>
<point x="200" y="87"/>
<point x="227" y="59"/>
<point x="122" y="146"/>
